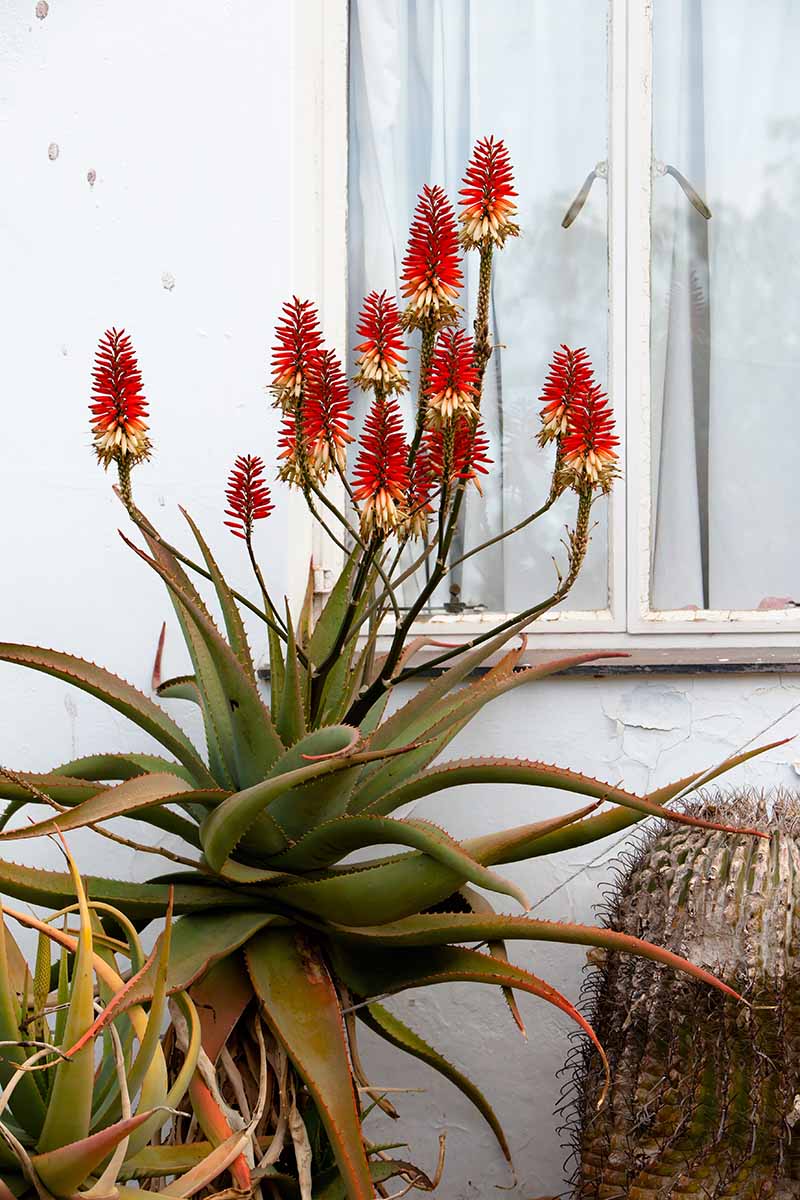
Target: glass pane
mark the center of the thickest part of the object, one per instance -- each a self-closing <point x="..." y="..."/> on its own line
<point x="427" y="80"/>
<point x="726" y="304"/>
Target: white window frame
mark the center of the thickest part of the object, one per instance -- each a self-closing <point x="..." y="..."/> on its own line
<point x="319" y="57"/>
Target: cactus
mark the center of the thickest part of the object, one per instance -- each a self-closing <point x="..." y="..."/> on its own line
<point x="705" y="1095"/>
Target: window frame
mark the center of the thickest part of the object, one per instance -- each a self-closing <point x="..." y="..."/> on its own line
<point x="655" y="639"/>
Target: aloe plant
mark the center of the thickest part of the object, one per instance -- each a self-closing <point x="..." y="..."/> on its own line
<point x="67" y="1130"/>
<point x="704" y="1099"/>
<point x="278" y="935"/>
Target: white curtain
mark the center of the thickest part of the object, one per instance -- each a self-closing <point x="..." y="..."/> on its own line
<point x="726" y="304"/>
<point x="427" y="78"/>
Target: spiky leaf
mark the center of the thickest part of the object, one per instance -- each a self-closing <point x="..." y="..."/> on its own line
<point x="301" y="1006"/>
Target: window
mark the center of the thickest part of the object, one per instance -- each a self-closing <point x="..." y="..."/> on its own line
<point x="725" y="314"/>
<point x="655" y="115"/>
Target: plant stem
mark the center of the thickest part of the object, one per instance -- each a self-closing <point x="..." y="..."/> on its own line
<point x="578" y="545"/>
<point x="483" y="348"/>
<point x="499" y="537"/>
<point x="358" y="540"/>
<point x="268" y="604"/>
<point x="321" y="673"/>
<point x="425" y="360"/>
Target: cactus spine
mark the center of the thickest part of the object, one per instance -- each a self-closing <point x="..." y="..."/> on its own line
<point x="705" y="1094"/>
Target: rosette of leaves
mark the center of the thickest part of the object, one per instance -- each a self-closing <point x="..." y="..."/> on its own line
<point x="270" y="920"/>
<point x="704" y="1094"/>
<point x="71" y="1127"/>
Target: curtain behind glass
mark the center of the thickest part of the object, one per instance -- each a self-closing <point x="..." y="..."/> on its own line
<point x="726" y="304"/>
<point x="427" y="80"/>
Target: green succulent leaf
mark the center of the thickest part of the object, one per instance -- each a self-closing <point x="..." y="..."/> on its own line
<point x="301" y="1006"/>
<point x="332" y="1186"/>
<point x="376" y="891"/>
<point x="617" y="819"/>
<point x="68" y="791"/>
<point x="256" y="744"/>
<point x="64" y="1169"/>
<point x="226" y="826"/>
<point x="181" y="687"/>
<point x="143" y="791"/>
<point x="329" y="622"/>
<point x="58" y="787"/>
<point x="181" y="1080"/>
<point x="156" y="1161"/>
<point x="414" y="717"/>
<point x="115" y="692"/>
<point x="221" y="994"/>
<point x="230" y="610"/>
<point x="277" y="671"/>
<point x="438" y="929"/>
<point x="392" y="1030"/>
<point x="387" y="972"/>
<point x="122" y="766"/>
<point x="441" y="716"/>
<point x="15" y="981"/>
<point x="199" y="941"/>
<point x="69" y="1109"/>
<point x="139" y="901"/>
<point x="390" y="888"/>
<point x="210" y="693"/>
<point x="291" y="719"/>
<point x="334" y="840"/>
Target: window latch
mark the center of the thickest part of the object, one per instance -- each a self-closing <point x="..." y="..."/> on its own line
<point x="600" y="171"/>
<point x="691" y="193"/>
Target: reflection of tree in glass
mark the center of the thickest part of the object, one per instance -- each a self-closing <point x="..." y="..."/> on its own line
<point x="737" y="280"/>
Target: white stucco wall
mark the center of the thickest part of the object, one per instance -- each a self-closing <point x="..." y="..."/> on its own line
<point x="181" y="113"/>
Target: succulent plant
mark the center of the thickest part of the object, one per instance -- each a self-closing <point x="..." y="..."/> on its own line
<point x="67" y="1129"/>
<point x="704" y="1093"/>
<point x="280" y="937"/>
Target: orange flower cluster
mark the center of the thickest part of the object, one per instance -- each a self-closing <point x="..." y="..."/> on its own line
<point x="394" y="483"/>
<point x="431" y="271"/>
<point x="118" y="408"/>
<point x="576" y="413"/>
<point x="247" y="495"/>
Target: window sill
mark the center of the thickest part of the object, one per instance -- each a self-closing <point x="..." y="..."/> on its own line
<point x="658" y="660"/>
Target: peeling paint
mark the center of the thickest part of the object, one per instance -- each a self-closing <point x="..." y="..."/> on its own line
<point x="643" y="707"/>
<point x="91" y="176"/>
<point x="53" y="151"/>
<point x="168" y="281"/>
<point x="42" y="9"/>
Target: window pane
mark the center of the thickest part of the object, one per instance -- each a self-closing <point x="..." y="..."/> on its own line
<point x="427" y="80"/>
<point x="726" y="304"/>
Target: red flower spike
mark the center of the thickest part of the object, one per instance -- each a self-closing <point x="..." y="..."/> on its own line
<point x="569" y="378"/>
<point x="297" y="346"/>
<point x="381" y="353"/>
<point x="247" y="495"/>
<point x="589" y="456"/>
<point x="119" y="409"/>
<point x="326" y="415"/>
<point x="380" y="476"/>
<point x="470" y="452"/>
<point x="421" y="482"/>
<point x="452" y="387"/>
<point x="487" y="196"/>
<point x="431" y="272"/>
